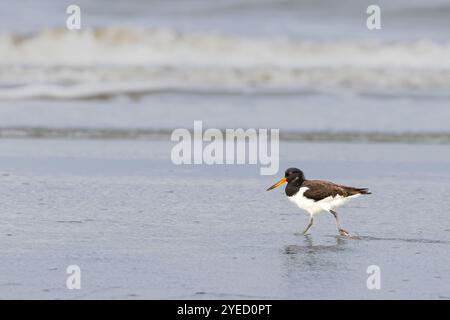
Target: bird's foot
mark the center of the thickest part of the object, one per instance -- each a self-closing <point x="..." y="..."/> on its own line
<point x="302" y="233"/>
<point x="344" y="233"/>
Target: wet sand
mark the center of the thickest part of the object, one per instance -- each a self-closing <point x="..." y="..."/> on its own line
<point x="140" y="227"/>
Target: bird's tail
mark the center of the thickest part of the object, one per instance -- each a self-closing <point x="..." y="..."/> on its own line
<point x="352" y="191"/>
<point x="363" y="191"/>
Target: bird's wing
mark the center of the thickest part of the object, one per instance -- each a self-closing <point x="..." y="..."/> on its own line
<point x="321" y="189"/>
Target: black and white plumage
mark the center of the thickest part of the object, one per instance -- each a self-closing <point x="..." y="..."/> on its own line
<point x="315" y="196"/>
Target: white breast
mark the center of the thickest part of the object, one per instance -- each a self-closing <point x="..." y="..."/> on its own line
<point x="313" y="207"/>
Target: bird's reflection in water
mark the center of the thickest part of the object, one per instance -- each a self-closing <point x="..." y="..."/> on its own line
<point x="309" y="256"/>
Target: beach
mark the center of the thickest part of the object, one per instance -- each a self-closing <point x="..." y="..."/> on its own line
<point x="140" y="227"/>
<point x="87" y="178"/>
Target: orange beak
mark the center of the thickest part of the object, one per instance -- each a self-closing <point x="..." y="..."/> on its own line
<point x="283" y="180"/>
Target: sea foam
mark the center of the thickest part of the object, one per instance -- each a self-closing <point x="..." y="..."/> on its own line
<point x="59" y="63"/>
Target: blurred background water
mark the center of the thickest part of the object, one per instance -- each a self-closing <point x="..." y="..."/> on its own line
<point x="296" y="65"/>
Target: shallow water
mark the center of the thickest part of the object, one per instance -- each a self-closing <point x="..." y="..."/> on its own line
<point x="336" y="112"/>
<point x="140" y="227"/>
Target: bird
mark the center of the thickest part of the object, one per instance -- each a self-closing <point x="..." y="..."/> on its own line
<point x="316" y="196"/>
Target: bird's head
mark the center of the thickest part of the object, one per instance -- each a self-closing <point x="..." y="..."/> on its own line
<point x="290" y="175"/>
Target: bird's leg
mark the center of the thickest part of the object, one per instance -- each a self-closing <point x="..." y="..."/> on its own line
<point x="311" y="220"/>
<point x="342" y="231"/>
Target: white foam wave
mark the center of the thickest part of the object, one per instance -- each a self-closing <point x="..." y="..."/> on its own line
<point x="69" y="64"/>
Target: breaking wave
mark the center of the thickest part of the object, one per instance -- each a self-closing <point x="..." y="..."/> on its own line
<point x="109" y="61"/>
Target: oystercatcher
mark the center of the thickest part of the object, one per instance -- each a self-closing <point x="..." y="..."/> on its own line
<point x="316" y="196"/>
